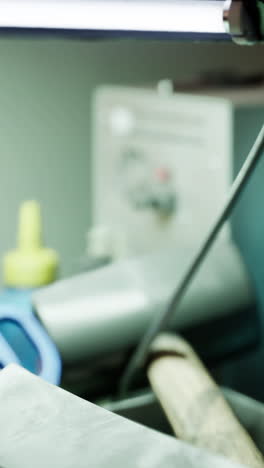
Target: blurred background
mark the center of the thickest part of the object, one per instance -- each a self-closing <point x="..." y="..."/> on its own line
<point x="46" y="89"/>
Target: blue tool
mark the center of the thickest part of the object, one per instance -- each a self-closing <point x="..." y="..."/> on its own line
<point x="23" y="340"/>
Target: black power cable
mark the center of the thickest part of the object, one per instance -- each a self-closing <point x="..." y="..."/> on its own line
<point x="160" y="321"/>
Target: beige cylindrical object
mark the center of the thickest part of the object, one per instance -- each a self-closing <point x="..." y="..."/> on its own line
<point x="194" y="404"/>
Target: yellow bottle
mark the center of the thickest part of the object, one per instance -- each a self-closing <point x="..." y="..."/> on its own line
<point x="30" y="265"/>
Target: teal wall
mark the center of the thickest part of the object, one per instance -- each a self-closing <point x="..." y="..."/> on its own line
<point x="45" y="98"/>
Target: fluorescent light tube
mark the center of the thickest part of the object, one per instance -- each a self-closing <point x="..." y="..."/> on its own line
<point x="165" y="16"/>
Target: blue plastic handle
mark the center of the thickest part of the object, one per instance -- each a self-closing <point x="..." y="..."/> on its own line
<point x="22" y="314"/>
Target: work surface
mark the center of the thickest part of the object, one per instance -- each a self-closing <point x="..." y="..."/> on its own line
<point x="43" y="426"/>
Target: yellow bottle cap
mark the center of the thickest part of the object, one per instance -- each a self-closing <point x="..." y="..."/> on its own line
<point x="30" y="265"/>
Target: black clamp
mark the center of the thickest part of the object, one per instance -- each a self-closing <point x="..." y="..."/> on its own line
<point x="244" y="20"/>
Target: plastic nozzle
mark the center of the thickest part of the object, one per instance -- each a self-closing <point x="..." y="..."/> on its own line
<point x="30" y="226"/>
